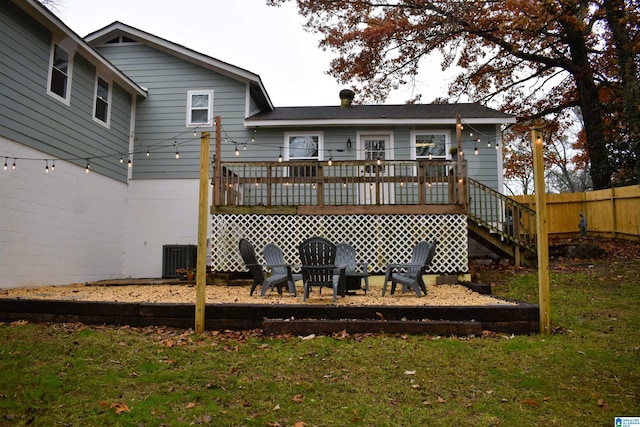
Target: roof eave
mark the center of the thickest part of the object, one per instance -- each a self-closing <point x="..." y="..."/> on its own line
<point x="186" y="54"/>
<point x="45" y="17"/>
<point x="371" y="122"/>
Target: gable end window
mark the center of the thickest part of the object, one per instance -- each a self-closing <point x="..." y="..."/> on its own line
<point x="199" y="108"/>
<point x="102" y="101"/>
<point x="60" y="67"/>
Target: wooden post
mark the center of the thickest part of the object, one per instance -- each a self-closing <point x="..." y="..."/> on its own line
<point x="217" y="169"/>
<point x="459" y="172"/>
<point x="203" y="204"/>
<point x="542" y="232"/>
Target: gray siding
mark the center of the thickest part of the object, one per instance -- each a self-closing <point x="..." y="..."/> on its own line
<point x="161" y="118"/>
<point x="482" y="167"/>
<point x="30" y="116"/>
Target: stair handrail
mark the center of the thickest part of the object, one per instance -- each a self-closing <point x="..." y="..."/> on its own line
<point x="502" y="215"/>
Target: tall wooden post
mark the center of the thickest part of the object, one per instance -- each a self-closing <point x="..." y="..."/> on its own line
<point x="217" y="167"/>
<point x="203" y="205"/>
<point x="541" y="231"/>
<point x="462" y="198"/>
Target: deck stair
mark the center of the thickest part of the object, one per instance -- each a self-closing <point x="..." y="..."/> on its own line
<point x="502" y="224"/>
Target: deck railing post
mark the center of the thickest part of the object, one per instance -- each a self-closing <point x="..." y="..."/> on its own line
<point x="422" y="191"/>
<point x="320" y="185"/>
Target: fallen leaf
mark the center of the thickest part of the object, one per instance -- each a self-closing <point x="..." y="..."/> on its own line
<point x="409" y="372"/>
<point x="441" y="400"/>
<point x="300" y="424"/>
<point x="531" y="402"/>
<point x="18" y="323"/>
<point x="277" y="407"/>
<point x="120" y="407"/>
<point x="190" y="405"/>
<point x="298" y="398"/>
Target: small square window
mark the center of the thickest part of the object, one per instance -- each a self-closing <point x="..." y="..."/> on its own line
<point x="199" y="108"/>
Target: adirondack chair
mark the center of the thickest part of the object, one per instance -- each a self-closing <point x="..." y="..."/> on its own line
<point x="346" y="255"/>
<point x="274" y="258"/>
<point x="318" y="256"/>
<point x="409" y="275"/>
<point x="248" y="254"/>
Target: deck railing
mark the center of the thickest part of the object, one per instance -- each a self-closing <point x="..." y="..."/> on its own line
<point x="339" y="183"/>
<point x="502" y="215"/>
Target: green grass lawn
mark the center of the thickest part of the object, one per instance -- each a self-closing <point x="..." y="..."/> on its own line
<point x="584" y="374"/>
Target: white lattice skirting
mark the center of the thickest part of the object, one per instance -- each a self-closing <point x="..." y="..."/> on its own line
<point x="378" y="239"/>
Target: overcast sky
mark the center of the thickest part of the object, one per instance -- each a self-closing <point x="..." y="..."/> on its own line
<point x="267" y="41"/>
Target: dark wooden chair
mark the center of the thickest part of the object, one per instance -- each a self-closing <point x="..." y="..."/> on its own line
<point x="248" y="254"/>
<point x="346" y="256"/>
<point x="318" y="258"/>
<point x="410" y="274"/>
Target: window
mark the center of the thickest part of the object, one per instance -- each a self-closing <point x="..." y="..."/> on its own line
<point x="103" y="99"/>
<point x="303" y="147"/>
<point x="199" y="108"/>
<point x="431" y="144"/>
<point x="60" y="67"/>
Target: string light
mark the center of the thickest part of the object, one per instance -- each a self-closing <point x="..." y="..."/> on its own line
<point x="129" y="164"/>
<point x="237" y="152"/>
<point x="53" y="165"/>
<point x="330" y="158"/>
<point x="175" y="144"/>
<point x="148" y="153"/>
<point x="14" y="164"/>
<point x="88" y="167"/>
<point x="46" y="166"/>
<point x="280" y="156"/>
<point x="121" y="158"/>
<point x="5" y="163"/>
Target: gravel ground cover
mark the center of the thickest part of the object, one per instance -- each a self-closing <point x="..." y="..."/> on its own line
<point x="160" y="292"/>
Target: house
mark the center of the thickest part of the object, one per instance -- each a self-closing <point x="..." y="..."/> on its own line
<point x="120" y="114"/>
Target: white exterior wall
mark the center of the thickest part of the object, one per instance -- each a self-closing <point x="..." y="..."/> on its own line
<point x="58" y="228"/>
<point x="159" y="212"/>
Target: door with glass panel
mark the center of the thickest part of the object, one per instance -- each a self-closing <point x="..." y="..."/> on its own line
<point x="376" y="149"/>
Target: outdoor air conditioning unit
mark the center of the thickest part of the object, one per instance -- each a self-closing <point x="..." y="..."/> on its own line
<point x="175" y="257"/>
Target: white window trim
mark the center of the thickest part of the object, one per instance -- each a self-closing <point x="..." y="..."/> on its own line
<point x="447" y="141"/>
<point x="65" y="100"/>
<point x="320" y="136"/>
<point x="106" y="123"/>
<point x="209" y="122"/>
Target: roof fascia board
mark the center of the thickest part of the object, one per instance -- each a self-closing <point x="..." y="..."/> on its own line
<point x="45" y="17"/>
<point x="184" y="53"/>
<point x="374" y="122"/>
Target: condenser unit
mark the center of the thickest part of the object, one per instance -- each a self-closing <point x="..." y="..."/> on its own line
<point x="175" y="257"/>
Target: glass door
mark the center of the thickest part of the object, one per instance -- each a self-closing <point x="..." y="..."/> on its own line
<point x="376" y="149"/>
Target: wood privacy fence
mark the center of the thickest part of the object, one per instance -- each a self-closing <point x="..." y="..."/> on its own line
<point x="613" y="212"/>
